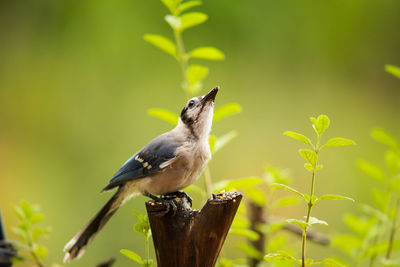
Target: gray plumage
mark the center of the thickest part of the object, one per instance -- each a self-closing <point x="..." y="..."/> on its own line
<point x="169" y="163"/>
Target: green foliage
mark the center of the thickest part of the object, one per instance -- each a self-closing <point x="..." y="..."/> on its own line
<point x="164" y="115"/>
<point x="299" y="137"/>
<point x="311" y="156"/>
<point x="193" y="75"/>
<point x="372" y="235"/>
<point x="226" y="111"/>
<point x="207" y="52"/>
<point x="394" y="70"/>
<point x="381" y="136"/>
<point x="30" y="233"/>
<point x="162" y="43"/>
<point x="142" y="227"/>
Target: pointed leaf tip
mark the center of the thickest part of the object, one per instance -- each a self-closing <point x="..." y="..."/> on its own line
<point x="161" y="42"/>
<point x="298" y="137"/>
<point x="338" y="141"/>
<point x="309" y="155"/>
<point x="384" y="137"/>
<point x="207" y="52"/>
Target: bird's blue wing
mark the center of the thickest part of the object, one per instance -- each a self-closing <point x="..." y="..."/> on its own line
<point x="147" y="161"/>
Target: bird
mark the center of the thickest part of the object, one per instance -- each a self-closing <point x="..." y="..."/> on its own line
<point x="169" y="163"/>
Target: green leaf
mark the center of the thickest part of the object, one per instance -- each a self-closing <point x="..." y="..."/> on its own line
<point x="38" y="232"/>
<point x="275" y="175"/>
<point x="313" y="120"/>
<point x="211" y="141"/>
<point x="171" y="4"/>
<point x="338" y="141"/>
<point x="249" y="250"/>
<point x="289" y="189"/>
<point x="349" y="244"/>
<point x="187" y="5"/>
<point x="37" y="217"/>
<point x="334" y="197"/>
<point x="358" y="225"/>
<point x="309" y="167"/>
<point x="302" y="224"/>
<point x="207" y="52"/>
<point x="138" y="215"/>
<point x="384" y="137"/>
<point x="314" y="220"/>
<point x="374" y="213"/>
<point x="131" y="255"/>
<point x="196" y="73"/>
<point x="226" y="111"/>
<point x="299" y="137"/>
<point x="164" y="115"/>
<point x="173" y="21"/>
<point x="27" y="209"/>
<point x="395" y="183"/>
<point x="143" y="226"/>
<point x="162" y="43"/>
<point x="287" y="201"/>
<point x="192" y="19"/>
<point x="380" y="198"/>
<point x="40" y="252"/>
<point x="371" y="170"/>
<point x="19" y="212"/>
<point x="280" y="257"/>
<point x="392" y="160"/>
<point x="309" y="156"/>
<point x="20" y="233"/>
<point x="329" y="263"/>
<point x="222" y="141"/>
<point x="257" y="196"/>
<point x="249" y="234"/>
<point x="394" y="70"/>
<point x="320" y="124"/>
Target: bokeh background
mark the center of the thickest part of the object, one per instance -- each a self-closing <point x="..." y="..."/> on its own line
<point x="76" y="79"/>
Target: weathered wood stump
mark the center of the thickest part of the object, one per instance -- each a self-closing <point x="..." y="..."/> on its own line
<point x="185" y="237"/>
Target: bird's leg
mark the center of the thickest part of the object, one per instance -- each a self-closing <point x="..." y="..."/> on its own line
<point x="153" y="197"/>
<point x="179" y="194"/>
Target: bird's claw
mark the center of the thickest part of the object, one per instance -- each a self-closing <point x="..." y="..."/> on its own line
<point x="179" y="194"/>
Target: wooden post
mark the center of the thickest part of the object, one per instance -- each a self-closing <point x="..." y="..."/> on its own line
<point x="185" y="237"/>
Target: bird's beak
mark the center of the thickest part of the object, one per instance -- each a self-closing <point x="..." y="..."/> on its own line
<point x="211" y="95"/>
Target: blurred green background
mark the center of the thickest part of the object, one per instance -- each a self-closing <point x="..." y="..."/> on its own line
<point x="76" y="79"/>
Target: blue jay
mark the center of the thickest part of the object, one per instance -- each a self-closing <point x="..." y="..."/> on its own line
<point x="169" y="163"/>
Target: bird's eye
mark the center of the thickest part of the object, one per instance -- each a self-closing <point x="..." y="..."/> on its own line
<point x="191" y="103"/>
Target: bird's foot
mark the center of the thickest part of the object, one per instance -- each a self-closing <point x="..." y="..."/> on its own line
<point x="167" y="201"/>
<point x="179" y="194"/>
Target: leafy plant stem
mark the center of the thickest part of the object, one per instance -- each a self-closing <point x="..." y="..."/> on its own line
<point x="182" y="59"/>
<point x="309" y="207"/>
<point x="36" y="259"/>
<point x="32" y="251"/>
<point x="147" y="249"/>
<point x="380" y="223"/>
<point x="393" y="230"/>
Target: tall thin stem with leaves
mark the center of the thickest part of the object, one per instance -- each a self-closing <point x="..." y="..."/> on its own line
<point x="320" y="125"/>
<point x="192" y="74"/>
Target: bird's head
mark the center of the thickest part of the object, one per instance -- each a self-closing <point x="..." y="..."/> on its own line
<point x="197" y="114"/>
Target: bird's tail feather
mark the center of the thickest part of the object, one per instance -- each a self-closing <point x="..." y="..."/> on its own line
<point x="77" y="246"/>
